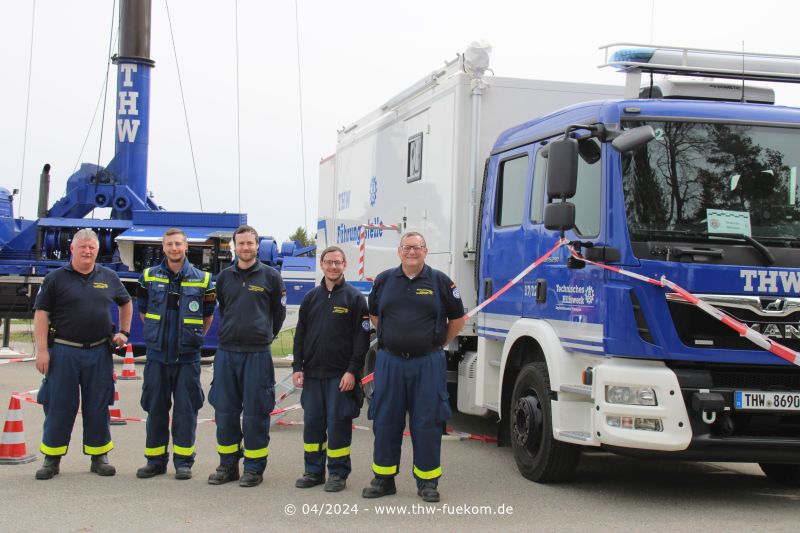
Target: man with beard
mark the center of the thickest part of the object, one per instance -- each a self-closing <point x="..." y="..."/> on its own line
<point x="252" y="305"/>
<point x="176" y="303"/>
<point x="330" y="344"/>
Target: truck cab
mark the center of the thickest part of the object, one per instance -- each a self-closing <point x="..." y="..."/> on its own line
<point x="575" y="355"/>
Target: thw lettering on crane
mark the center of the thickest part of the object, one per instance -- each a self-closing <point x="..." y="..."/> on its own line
<point x="127" y="127"/>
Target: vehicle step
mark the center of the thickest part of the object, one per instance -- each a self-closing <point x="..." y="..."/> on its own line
<point x="583" y="390"/>
<point x="495" y="363"/>
<point x="576" y="435"/>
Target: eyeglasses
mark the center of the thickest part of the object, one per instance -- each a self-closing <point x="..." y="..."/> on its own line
<point x="408" y="248"/>
<point x="329" y="262"/>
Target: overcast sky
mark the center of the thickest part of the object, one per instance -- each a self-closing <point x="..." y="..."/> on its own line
<point x="354" y="55"/>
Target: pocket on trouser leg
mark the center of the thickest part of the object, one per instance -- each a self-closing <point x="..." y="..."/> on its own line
<point x="43" y="396"/>
<point x="110" y="391"/>
<point x="197" y="397"/>
<point x="443" y="411"/>
<point x="268" y="399"/>
<point x="373" y="404"/>
<point x="348" y="407"/>
<point x="145" y="399"/>
<point x="212" y="395"/>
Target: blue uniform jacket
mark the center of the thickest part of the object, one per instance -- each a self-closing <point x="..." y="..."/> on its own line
<point x="195" y="292"/>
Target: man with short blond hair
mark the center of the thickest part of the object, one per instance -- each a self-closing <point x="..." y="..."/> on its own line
<point x="176" y="303"/>
<point x="74" y="331"/>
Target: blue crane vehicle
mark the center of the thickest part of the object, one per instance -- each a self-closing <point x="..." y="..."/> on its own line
<point x="130" y="238"/>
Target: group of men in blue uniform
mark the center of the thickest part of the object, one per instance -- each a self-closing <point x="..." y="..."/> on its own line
<point x="416" y="309"/>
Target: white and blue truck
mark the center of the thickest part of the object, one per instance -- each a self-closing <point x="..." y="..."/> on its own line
<point x="693" y="181"/>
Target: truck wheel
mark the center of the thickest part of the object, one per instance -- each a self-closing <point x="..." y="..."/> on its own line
<point x="784" y="474"/>
<point x="539" y="456"/>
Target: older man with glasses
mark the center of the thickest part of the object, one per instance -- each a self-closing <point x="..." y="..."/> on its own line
<point x="418" y="311"/>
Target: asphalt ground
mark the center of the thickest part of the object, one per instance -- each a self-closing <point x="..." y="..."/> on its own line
<point x="481" y="488"/>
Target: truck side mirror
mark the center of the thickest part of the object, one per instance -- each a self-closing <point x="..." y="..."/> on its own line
<point x="559" y="216"/>
<point x="562" y="168"/>
<point x="633" y="139"/>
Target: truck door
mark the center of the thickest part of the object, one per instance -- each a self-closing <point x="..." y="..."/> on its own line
<point x="573" y="298"/>
<point x="504" y="225"/>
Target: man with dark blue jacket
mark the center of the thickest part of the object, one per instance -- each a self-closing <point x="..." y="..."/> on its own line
<point x="330" y="344"/>
<point x="418" y="311"/>
<point x="252" y="305"/>
<point x="176" y="303"/>
<point x="73" y="327"/>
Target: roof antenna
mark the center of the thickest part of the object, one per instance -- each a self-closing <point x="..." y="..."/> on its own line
<point x="743" y="98"/>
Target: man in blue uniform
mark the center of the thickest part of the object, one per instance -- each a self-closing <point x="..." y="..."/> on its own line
<point x="73" y="329"/>
<point x="252" y="305"/>
<point x="330" y="343"/>
<point x="176" y="303"/>
<point x="417" y="310"/>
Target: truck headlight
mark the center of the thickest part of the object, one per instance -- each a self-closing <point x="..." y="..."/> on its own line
<point x="629" y="422"/>
<point x="621" y="394"/>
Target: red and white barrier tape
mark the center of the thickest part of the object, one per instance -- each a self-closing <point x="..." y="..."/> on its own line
<point x="362" y="246"/>
<point x="16" y="360"/>
<point x="362" y="242"/>
<point x="753" y="336"/>
<point x="452" y="432"/>
<point x="750" y="334"/>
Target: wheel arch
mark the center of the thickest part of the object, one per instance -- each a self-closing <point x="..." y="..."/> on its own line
<point x="528" y="341"/>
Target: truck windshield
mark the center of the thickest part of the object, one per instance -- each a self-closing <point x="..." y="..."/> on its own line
<point x="702" y="181"/>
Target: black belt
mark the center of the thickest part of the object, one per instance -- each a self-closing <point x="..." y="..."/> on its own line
<point x="84" y="345"/>
<point x="410" y="355"/>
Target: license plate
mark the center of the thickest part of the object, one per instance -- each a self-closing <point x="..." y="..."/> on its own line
<point x="767" y="401"/>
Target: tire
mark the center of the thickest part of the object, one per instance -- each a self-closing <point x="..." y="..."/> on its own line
<point x="539" y="456"/>
<point x="782" y="473"/>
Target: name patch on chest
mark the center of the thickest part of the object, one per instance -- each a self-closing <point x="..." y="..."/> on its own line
<point x="99" y="285"/>
<point x="255" y="288"/>
<point x="340" y="310"/>
<point x="424" y="292"/>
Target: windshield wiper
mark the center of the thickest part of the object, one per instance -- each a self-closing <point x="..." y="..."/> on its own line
<point x="763" y="250"/>
<point x="751" y="241"/>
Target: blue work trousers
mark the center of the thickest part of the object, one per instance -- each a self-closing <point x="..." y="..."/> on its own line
<point x="417" y="386"/>
<point x="328" y="415"/>
<point x="176" y="387"/>
<point x="77" y="376"/>
<point x="243" y="386"/>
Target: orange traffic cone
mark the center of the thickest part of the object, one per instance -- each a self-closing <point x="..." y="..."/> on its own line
<point x="114" y="410"/>
<point x="12" y="442"/>
<point x="128" y="368"/>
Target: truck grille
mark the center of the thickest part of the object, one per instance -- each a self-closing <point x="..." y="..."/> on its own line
<point x="696" y="329"/>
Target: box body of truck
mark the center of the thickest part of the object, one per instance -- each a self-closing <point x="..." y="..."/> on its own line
<point x="574" y="355"/>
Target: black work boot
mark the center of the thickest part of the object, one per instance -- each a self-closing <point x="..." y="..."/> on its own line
<point x="429" y="491"/>
<point x="101" y="467"/>
<point x="335" y="483"/>
<point x="380" y="486"/>
<point x="151" y="470"/>
<point x="183" y="472"/>
<point x="251" y="479"/>
<point x="49" y="468"/>
<point x="224" y="474"/>
<point x="309" y="480"/>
